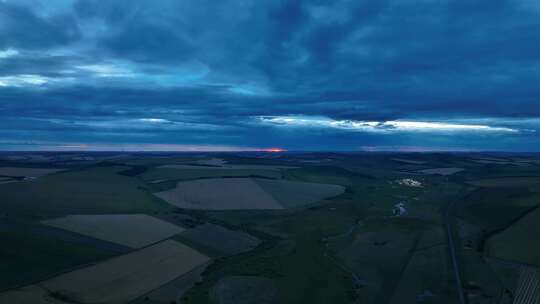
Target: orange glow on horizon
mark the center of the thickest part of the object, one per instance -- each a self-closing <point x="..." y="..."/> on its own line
<point x="273" y="150"/>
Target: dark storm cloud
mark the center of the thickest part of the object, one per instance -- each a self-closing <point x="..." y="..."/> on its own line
<point x="32" y="63"/>
<point x="84" y="65"/>
<point x="20" y="27"/>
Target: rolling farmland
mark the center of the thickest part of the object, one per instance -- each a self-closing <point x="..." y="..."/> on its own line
<point x="236" y="229"/>
<point x="133" y="230"/>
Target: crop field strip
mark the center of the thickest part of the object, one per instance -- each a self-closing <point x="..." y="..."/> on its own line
<point x="528" y="290"/>
<point x="219" y="194"/>
<point x="221" y="239"/>
<point x="117" y="280"/>
<point x="173" y="290"/>
<point x="132" y="230"/>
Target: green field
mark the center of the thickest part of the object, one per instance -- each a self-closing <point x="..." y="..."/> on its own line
<point x="518" y="242"/>
<point x="88" y="191"/>
<point x="494" y="208"/>
<point x="26" y="258"/>
<point x="498" y="221"/>
<point x="162" y="174"/>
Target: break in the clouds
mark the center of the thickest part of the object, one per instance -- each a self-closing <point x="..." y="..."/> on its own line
<point x="380" y="126"/>
<point x="297" y="74"/>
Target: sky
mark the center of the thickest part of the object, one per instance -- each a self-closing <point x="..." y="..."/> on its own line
<point x="230" y="75"/>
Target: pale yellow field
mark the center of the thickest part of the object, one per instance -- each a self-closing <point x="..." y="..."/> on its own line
<point x="247" y="193"/>
<point x="292" y="194"/>
<point x="28" y="172"/>
<point x="132" y="230"/>
<point x="118" y="280"/>
<point x="220" y="194"/>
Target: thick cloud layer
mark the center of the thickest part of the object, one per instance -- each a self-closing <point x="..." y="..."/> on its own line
<point x="333" y="75"/>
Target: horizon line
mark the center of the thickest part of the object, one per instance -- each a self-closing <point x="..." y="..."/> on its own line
<point x="270" y="152"/>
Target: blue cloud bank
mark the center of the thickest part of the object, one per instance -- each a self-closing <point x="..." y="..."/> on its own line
<point x="242" y="75"/>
